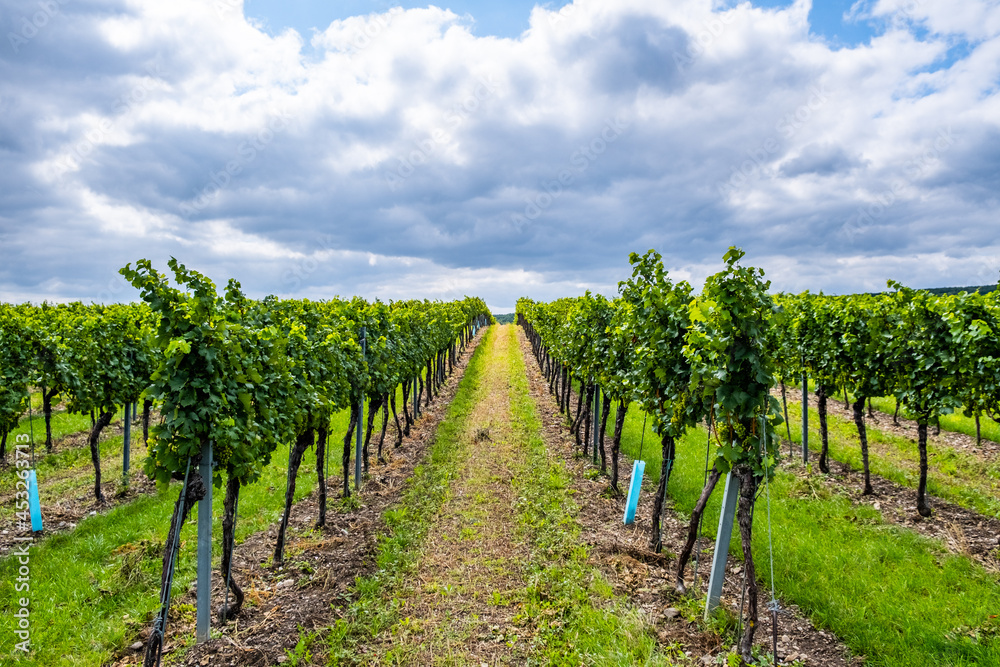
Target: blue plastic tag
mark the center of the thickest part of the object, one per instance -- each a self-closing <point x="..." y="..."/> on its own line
<point x="34" y="506"/>
<point x="633" y="491"/>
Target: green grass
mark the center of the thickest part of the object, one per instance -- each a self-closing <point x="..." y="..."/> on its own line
<point x="955" y="422"/>
<point x="958" y="477"/>
<point x="92" y="590"/>
<point x="887" y="592"/>
<point x="53" y="465"/>
<point x="63" y="424"/>
<point x="38" y="418"/>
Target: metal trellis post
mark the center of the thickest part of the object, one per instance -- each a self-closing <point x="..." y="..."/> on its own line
<point x="361" y="416"/>
<point x="204" y="614"/>
<point x="126" y="443"/>
<point x="729" y="498"/>
<point x="597" y="419"/>
<point x="805" y="418"/>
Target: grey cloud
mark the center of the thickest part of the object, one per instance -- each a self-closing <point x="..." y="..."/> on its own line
<point x="634" y="50"/>
<point x="487" y="203"/>
<point x="820" y="159"/>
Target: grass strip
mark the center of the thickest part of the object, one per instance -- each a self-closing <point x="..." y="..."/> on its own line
<point x="890" y="594"/>
<point x="63" y="424"/>
<point x="958" y="477"/>
<point x="956" y="421"/>
<point x="67" y="472"/>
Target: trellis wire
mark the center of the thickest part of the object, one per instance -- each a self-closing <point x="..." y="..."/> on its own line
<point x="774" y="606"/>
<point x="643" y="439"/>
<point x="697" y="539"/>
<point x="232" y="548"/>
<point x="160" y="625"/>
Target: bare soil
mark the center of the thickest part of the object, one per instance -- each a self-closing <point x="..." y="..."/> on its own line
<point x="310" y="591"/>
<point x="646" y="578"/>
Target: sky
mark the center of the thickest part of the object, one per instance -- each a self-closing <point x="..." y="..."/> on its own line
<point x="398" y="150"/>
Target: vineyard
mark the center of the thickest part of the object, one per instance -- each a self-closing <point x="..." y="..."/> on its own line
<point x="813" y="479"/>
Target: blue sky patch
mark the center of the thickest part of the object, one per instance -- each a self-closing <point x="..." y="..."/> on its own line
<point x="827" y="20"/>
<point x="500" y="19"/>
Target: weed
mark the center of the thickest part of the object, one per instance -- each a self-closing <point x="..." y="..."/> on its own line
<point x="301" y="655"/>
<point x="133" y="566"/>
<point x="809" y="486"/>
<point x="349" y="504"/>
<point x="988" y="630"/>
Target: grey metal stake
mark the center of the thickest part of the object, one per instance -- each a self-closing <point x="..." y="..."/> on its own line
<point x="597" y="418"/>
<point x="204" y="613"/>
<point x="729" y="498"/>
<point x="126" y="444"/>
<point x="805" y="418"/>
<point x="361" y="416"/>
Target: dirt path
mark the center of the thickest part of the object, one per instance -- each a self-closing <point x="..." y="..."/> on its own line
<point x="503" y="577"/>
<point x="459" y="609"/>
